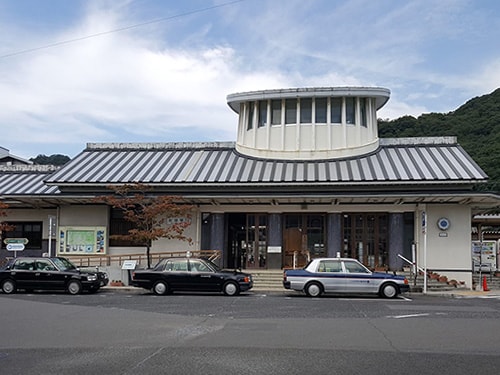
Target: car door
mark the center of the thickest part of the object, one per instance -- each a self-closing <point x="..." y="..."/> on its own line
<point x="332" y="276"/>
<point x="48" y="276"/>
<point x="176" y="274"/>
<point x="203" y="277"/>
<point x="358" y="278"/>
<point x="23" y="272"/>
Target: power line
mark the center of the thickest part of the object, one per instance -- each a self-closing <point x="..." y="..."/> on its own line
<point x="29" y="50"/>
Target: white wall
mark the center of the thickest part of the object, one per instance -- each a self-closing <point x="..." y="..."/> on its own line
<point x="450" y="249"/>
<point x="88" y="215"/>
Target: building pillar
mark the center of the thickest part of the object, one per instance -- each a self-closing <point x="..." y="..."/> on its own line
<point x="217" y="234"/>
<point x="334" y="235"/>
<point x="396" y="241"/>
<point x="275" y="241"/>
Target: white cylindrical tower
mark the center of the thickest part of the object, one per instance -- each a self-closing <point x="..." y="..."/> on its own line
<point x="308" y="123"/>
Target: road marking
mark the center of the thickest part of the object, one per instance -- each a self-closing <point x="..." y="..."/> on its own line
<point x="408" y="316"/>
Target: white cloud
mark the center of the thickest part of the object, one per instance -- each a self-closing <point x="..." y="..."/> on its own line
<point x="169" y="81"/>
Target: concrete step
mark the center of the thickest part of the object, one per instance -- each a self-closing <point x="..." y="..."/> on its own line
<point x="271" y="280"/>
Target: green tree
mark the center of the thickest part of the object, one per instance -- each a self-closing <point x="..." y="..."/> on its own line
<point x="55" y="159"/>
<point x="153" y="216"/>
<point x="476" y="124"/>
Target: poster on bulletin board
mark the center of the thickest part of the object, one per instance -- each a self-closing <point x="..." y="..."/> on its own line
<point x="82" y="240"/>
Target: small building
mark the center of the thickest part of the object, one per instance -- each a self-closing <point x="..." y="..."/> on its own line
<point x="6" y="158"/>
<point x="307" y="177"/>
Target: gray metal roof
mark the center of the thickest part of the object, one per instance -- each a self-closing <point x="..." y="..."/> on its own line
<point x="26" y="180"/>
<point x="411" y="162"/>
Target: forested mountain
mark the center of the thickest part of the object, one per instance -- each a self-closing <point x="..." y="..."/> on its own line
<point x="476" y="124"/>
<point x="55" y="159"/>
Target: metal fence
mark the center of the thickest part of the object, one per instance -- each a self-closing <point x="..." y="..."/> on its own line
<point x="142" y="260"/>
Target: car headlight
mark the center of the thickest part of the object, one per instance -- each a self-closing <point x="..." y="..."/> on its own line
<point x="92" y="277"/>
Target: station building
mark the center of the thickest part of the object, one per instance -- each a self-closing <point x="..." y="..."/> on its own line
<point x="307" y="177"/>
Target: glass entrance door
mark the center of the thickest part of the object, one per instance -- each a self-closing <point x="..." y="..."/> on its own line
<point x="247" y="240"/>
<point x="303" y="239"/>
<point x="365" y="238"/>
<point x="255" y="247"/>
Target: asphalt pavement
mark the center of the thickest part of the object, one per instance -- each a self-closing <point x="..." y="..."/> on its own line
<point x="457" y="292"/>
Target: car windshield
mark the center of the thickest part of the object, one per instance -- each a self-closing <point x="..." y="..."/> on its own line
<point x="63" y="264"/>
<point x="213" y="265"/>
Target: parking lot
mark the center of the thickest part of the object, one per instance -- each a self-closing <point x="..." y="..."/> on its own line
<point x="131" y="330"/>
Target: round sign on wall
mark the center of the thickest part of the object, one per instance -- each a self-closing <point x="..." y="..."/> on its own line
<point x="443" y="223"/>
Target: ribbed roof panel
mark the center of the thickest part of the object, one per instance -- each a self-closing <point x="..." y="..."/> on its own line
<point x="391" y="163"/>
<point x="25" y="184"/>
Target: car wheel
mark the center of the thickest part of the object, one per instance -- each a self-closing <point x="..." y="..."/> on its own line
<point x="160" y="288"/>
<point x="74" y="287"/>
<point x="389" y="291"/>
<point x="231" y="289"/>
<point x="9" y="286"/>
<point x="313" y="290"/>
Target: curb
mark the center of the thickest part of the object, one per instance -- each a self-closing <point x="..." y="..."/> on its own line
<point x="452" y="293"/>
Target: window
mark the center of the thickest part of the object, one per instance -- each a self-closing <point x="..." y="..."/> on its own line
<point x="306" y="111"/>
<point x="320" y="110"/>
<point x="262" y="113"/>
<point x="30" y="230"/>
<point x="330" y="266"/>
<point x="198" y="266"/>
<point x="44" y="265"/>
<point x="177" y="265"/>
<point x="350" y="111"/>
<point x="336" y="111"/>
<point x="24" y="265"/>
<point x="362" y="105"/>
<point x="290" y="111"/>
<point x="353" y="267"/>
<point x="119" y="226"/>
<point x="275" y="112"/>
<point x="251" y="109"/>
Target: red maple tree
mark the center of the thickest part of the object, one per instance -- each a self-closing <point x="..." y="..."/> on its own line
<point x="153" y="216"/>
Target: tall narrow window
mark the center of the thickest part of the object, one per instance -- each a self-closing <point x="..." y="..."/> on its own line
<point x="305" y="111"/>
<point x="251" y="108"/>
<point x="275" y="112"/>
<point x="262" y="113"/>
<point x="320" y="110"/>
<point x="336" y="110"/>
<point x="290" y="111"/>
<point x="362" y="107"/>
<point x="350" y="111"/>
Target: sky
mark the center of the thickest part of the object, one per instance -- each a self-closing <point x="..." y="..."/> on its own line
<point x="80" y="71"/>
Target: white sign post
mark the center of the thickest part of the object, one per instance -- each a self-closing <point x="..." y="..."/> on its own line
<point x="52" y="226"/>
<point x="15" y="247"/>
<point x="15" y="244"/>
<point x="424" y="231"/>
